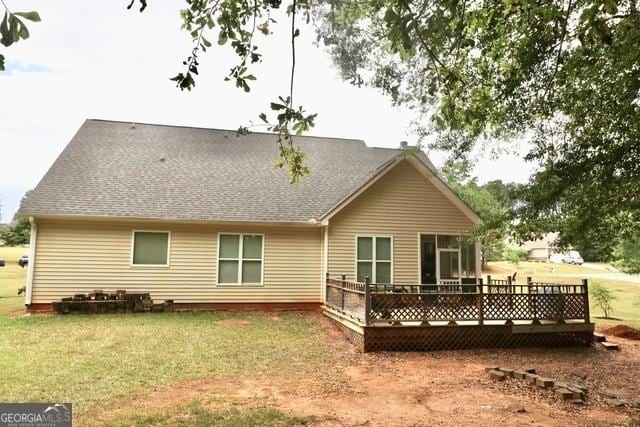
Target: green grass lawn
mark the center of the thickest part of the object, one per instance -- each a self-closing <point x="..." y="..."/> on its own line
<point x="94" y="360"/>
<point x="91" y="360"/>
<point x="542" y="269"/>
<point x="196" y="414"/>
<point x="626" y="307"/>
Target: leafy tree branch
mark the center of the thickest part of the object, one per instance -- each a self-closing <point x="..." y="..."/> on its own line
<point x="13" y="29"/>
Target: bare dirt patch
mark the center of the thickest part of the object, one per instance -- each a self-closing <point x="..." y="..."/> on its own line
<point x="623" y="331"/>
<point x="415" y="389"/>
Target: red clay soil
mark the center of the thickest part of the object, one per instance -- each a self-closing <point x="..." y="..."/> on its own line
<point x="623" y="331"/>
<point x="445" y="388"/>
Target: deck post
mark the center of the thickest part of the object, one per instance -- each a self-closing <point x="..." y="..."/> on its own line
<point x="585" y="289"/>
<point x="489" y="283"/>
<point x="480" y="303"/>
<point x="510" y="291"/>
<point x="342" y="285"/>
<point x="367" y="300"/>
<point x="533" y="299"/>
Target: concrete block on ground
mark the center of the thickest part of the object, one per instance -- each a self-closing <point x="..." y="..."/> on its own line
<point x="607" y="393"/>
<point x="581" y="387"/>
<point x="531" y="378"/>
<point x="497" y="375"/>
<point x="610" y="345"/>
<point x="577" y="393"/>
<point x="559" y="385"/>
<point x="544" y="382"/>
<point x="491" y="368"/>
<point x="529" y="370"/>
<point x="564" y="394"/>
<point x="598" y="337"/>
<point x="618" y="403"/>
<point x="519" y="375"/>
<point x="507" y="371"/>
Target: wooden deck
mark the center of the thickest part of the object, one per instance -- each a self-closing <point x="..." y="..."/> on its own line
<point x="451" y="315"/>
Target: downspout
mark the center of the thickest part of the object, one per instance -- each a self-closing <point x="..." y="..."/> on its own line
<point x="32" y="260"/>
<point x="325" y="261"/>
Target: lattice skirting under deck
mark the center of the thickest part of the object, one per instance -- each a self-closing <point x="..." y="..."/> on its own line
<point x="408" y="338"/>
<point x="431" y="338"/>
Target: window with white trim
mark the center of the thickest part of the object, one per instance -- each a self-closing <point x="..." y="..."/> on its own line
<point x="150" y="248"/>
<point x="240" y="258"/>
<point x="374" y="258"/>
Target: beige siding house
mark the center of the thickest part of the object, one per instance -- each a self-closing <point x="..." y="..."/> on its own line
<point x="200" y="216"/>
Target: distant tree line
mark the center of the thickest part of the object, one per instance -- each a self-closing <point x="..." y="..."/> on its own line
<point x="498" y="203"/>
<point x="16" y="233"/>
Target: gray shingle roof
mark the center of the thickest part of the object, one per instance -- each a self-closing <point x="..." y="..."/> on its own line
<point x="117" y="169"/>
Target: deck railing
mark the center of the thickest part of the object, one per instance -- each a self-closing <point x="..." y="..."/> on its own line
<point x="348" y="298"/>
<point x="497" y="300"/>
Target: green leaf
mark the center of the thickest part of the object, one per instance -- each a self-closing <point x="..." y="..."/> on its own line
<point x="7" y="35"/>
<point x="14" y="25"/>
<point x="206" y="42"/>
<point x="263" y="117"/>
<point x="1" y="62"/>
<point x="31" y="16"/>
<point x="23" y="31"/>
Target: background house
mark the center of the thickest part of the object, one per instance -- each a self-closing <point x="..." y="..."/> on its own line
<point x="541" y="249"/>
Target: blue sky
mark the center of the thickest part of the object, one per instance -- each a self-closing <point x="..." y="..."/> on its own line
<point x="95" y="59"/>
<point x="12" y="67"/>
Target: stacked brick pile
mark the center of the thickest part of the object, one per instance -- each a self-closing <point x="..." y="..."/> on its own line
<point x="119" y="301"/>
<point x="568" y="392"/>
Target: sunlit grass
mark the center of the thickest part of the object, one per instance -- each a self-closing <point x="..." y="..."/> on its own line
<point x="626" y="307"/>
<point x="195" y="414"/>
<point x="528" y="268"/>
<point x="90" y="360"/>
<point x="12" y="277"/>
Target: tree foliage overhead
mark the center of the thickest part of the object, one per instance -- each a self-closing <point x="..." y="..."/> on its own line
<point x="13" y="28"/>
<point x="237" y="23"/>
<point x="492" y="201"/>
<point x="563" y="74"/>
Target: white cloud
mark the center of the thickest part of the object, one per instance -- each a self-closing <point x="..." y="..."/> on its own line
<point x="107" y="62"/>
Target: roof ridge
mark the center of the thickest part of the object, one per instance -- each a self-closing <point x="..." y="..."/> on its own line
<point x="224" y="130"/>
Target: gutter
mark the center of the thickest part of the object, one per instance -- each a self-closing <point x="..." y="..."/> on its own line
<point x="32" y="260"/>
<point x="311" y="222"/>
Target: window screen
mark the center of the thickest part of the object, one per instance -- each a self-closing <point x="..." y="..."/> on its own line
<point x="150" y="248"/>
